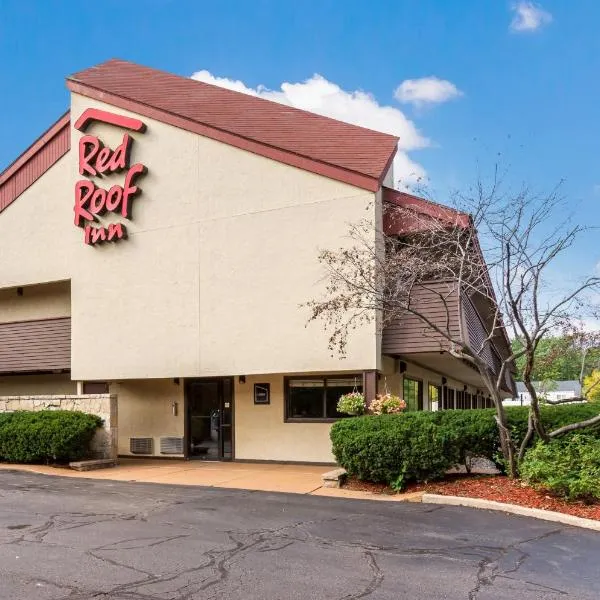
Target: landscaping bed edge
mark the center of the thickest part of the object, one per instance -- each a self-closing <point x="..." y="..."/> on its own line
<point x="546" y="515"/>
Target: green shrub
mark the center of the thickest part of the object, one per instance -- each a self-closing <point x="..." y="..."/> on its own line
<point x="475" y="431"/>
<point x="392" y="449"/>
<point x="45" y="436"/>
<point x="424" y="445"/>
<point x="553" y="417"/>
<point x="568" y="467"/>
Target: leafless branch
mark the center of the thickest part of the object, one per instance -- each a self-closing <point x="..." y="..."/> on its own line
<point x="425" y="258"/>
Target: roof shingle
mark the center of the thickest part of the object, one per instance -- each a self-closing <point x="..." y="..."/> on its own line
<point x="307" y="136"/>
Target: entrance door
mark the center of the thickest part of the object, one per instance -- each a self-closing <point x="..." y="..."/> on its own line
<point x="209" y="428"/>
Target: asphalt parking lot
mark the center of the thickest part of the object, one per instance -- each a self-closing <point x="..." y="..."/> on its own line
<point x="80" y="539"/>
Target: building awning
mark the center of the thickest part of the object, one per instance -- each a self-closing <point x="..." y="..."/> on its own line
<point x="35" y="346"/>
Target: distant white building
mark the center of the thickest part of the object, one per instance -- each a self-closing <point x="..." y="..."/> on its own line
<point x="551" y="390"/>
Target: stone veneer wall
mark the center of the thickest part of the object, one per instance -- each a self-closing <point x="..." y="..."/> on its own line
<point x="104" y="444"/>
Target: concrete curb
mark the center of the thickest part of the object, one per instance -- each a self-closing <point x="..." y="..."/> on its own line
<point x="537" y="513"/>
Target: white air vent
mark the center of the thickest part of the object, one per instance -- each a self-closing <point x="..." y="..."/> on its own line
<point x="171" y="445"/>
<point x="141" y="445"/>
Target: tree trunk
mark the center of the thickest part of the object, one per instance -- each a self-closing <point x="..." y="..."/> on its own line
<point x="527" y="438"/>
<point x="534" y="409"/>
<point x="506" y="443"/>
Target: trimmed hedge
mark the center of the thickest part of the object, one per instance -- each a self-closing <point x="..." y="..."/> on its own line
<point x="389" y="448"/>
<point x="568" y="467"/>
<point x="421" y="446"/>
<point x="46" y="436"/>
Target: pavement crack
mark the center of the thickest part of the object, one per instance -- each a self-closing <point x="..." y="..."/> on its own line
<point x="376" y="578"/>
<point x="541" y="586"/>
<point x="483" y="578"/>
<point x="488" y="569"/>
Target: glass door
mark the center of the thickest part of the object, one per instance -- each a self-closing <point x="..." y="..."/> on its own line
<point x="209" y="419"/>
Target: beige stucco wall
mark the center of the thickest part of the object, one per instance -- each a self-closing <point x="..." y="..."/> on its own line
<point x="262" y="434"/>
<point x="29" y="385"/>
<point x="222" y="250"/>
<point x="146" y="410"/>
<point x="38" y="238"/>
<point x="46" y="301"/>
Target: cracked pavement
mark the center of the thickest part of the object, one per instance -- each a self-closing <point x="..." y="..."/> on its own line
<point x="79" y="538"/>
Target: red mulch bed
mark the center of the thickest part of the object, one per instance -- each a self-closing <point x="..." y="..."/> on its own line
<point x="488" y="487"/>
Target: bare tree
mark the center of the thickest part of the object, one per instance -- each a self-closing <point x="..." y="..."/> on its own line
<point x="426" y="253"/>
<point x="527" y="245"/>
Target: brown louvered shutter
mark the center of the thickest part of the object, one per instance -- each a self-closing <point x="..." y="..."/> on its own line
<point x="35" y="346"/>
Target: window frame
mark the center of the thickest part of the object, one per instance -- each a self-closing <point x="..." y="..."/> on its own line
<point x="105" y="384"/>
<point x="420" y="396"/>
<point x="447" y="392"/>
<point x="438" y="389"/>
<point x="286" y="396"/>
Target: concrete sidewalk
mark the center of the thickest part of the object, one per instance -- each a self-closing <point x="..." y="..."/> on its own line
<point x="299" y="479"/>
<point x="265" y="477"/>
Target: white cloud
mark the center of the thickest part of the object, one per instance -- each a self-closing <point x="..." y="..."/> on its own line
<point x="324" y="97"/>
<point x="427" y="90"/>
<point x="529" y="17"/>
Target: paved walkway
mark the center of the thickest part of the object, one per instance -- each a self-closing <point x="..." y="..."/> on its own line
<point x="299" y="479"/>
<point x="266" y="477"/>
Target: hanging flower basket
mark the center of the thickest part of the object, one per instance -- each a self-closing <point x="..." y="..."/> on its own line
<point x="352" y="404"/>
<point x="387" y="404"/>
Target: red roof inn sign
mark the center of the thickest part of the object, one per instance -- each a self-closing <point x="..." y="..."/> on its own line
<point x="97" y="160"/>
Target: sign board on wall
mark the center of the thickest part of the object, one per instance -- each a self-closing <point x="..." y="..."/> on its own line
<point x="262" y="393"/>
<point x="96" y="160"/>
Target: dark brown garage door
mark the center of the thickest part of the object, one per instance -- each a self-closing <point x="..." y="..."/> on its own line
<point x="35" y="346"/>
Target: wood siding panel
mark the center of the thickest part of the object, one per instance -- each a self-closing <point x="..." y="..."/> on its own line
<point x="411" y="334"/>
<point x="35" y="346"/>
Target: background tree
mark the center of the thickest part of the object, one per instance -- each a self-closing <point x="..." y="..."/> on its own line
<point x="563" y="357"/>
<point x="591" y="386"/>
<point x="381" y="277"/>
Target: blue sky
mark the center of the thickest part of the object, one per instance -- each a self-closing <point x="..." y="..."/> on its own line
<point x="525" y="84"/>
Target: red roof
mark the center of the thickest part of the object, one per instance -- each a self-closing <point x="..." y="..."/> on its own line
<point x="402" y="223"/>
<point x="53" y="144"/>
<point x="312" y="142"/>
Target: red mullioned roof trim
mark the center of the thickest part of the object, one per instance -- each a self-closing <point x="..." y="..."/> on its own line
<point x="29" y="166"/>
<point x="425" y="207"/>
<point x="35" y="147"/>
<point x="366" y="182"/>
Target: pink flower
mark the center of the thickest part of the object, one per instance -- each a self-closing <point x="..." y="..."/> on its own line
<point x="387" y="404"/>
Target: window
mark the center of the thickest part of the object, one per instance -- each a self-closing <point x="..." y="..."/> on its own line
<point x="447" y="398"/>
<point x="434" y="397"/>
<point x="413" y="394"/>
<point x="95" y="387"/>
<point x="316" y="398"/>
